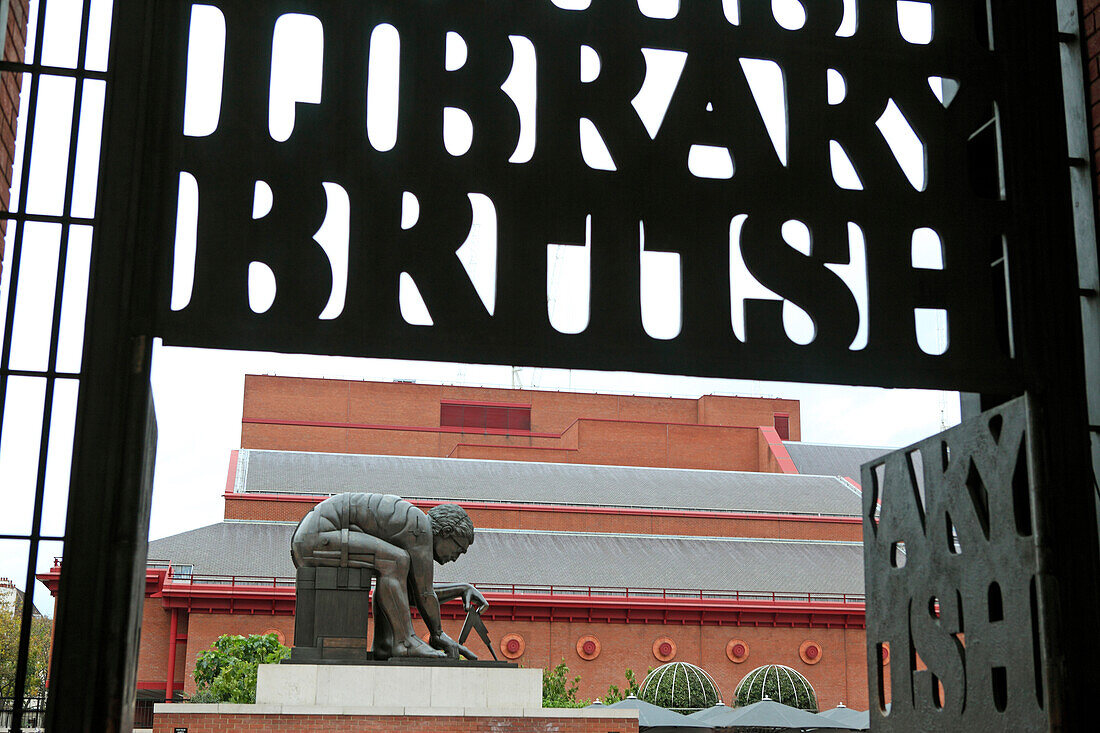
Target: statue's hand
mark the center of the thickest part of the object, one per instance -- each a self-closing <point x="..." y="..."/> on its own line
<point x="473" y="595"/>
<point x="452" y="648"/>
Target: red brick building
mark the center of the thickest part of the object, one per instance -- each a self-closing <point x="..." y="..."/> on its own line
<point x="613" y="531"/>
<point x="13" y="27"/>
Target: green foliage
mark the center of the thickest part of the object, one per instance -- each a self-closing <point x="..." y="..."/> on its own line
<point x="227" y="673"/>
<point x="38" y="658"/>
<point x="558" y="691"/>
<point x="681" y="687"/>
<point x="778" y="683"/>
<point x="614" y="694"/>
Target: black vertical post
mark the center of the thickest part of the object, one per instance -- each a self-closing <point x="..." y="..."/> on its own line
<point x="1046" y="325"/>
<point x="94" y="663"/>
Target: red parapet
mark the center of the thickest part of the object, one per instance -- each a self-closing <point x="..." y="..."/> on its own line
<point x="154" y="579"/>
<point x="276" y="596"/>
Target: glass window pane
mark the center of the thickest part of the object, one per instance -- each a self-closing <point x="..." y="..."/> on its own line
<point x="99" y="35"/>
<point x="88" y="141"/>
<point x="50" y="150"/>
<point x="74" y="299"/>
<point x="59" y="456"/>
<point x="62" y="33"/>
<point x="19" y="447"/>
<point x="34" y="292"/>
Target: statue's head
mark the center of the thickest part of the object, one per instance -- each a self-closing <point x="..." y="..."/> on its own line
<point x="452" y="532"/>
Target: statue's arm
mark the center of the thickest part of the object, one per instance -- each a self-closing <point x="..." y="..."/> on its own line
<point x="427" y="602"/>
<point x="421" y="588"/>
<point x="469" y="594"/>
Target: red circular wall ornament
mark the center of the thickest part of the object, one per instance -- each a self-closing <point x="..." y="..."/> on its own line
<point x="588" y="647"/>
<point x="278" y="635"/>
<point x="885" y="652"/>
<point x="810" y="652"/>
<point x="737" y="650"/>
<point x="664" y="649"/>
<point x="512" y="646"/>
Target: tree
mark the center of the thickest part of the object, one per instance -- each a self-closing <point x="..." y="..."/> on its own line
<point x="558" y="691"/>
<point x="227" y="673"/>
<point x="38" y="657"/>
<point x="614" y="695"/>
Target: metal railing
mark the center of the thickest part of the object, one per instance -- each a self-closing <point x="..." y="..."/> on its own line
<point x="33" y="713"/>
<point x="243" y="581"/>
<point x="519" y="589"/>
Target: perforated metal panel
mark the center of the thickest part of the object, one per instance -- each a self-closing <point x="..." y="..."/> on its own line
<point x="916" y="117"/>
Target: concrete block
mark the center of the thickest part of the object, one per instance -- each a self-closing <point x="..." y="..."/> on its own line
<point x="493" y="712"/>
<point x="459" y="687"/>
<point x="312" y="710"/>
<point x="393" y="686"/>
<point x="513" y="688"/>
<point x="579" y="713"/>
<point x="225" y="708"/>
<point x="340" y="685"/>
<point x="398" y="686"/>
<point x="286" y="684"/>
<point x="456" y="712"/>
<point x="376" y="710"/>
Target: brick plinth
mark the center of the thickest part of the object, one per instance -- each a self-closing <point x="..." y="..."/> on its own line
<point x="169" y="718"/>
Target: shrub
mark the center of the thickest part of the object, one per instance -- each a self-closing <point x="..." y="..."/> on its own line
<point x="227" y="673"/>
<point x="558" y="691"/>
<point x="614" y="694"/>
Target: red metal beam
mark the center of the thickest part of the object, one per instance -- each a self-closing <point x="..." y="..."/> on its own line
<point x="280" y="601"/>
<point x="172" y="630"/>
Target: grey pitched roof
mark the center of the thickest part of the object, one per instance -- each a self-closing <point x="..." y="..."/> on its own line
<point x="452" y="479"/>
<point x="525" y="557"/>
<point x="821" y="459"/>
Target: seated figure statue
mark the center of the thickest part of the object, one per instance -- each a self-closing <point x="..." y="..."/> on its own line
<point x="397" y="542"/>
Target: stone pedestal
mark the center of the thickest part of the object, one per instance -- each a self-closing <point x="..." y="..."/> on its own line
<point x="382" y="698"/>
<point x="400" y="685"/>
<point x="331" y="615"/>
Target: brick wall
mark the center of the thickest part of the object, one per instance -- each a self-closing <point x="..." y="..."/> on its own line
<point x="15" y="37"/>
<point x="839" y="676"/>
<point x="220" y="722"/>
<point x="1090" y="14"/>
<point x="203" y="630"/>
<point x="417" y="405"/>
<point x="633" y="443"/>
<point x="153" y="647"/>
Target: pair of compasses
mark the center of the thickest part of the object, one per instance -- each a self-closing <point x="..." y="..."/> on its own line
<point x="473" y="621"/>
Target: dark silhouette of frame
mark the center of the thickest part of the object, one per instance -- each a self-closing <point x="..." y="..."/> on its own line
<point x="998" y="193"/>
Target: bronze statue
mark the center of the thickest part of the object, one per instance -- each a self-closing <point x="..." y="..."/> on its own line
<point x="396" y="542"/>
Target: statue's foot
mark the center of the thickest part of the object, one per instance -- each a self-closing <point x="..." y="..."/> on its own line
<point x="415" y="647"/>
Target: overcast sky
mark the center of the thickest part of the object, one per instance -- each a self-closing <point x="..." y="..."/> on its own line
<point x="198" y="393"/>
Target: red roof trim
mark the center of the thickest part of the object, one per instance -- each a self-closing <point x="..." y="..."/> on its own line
<point x="231" y="479"/>
<point x="566" y="509"/>
<point x="775" y="445"/>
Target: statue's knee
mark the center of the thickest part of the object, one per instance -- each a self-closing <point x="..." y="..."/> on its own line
<point x="395" y="564"/>
<point x="401" y="562"/>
